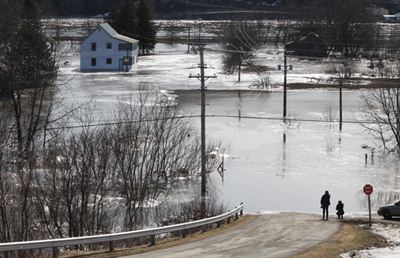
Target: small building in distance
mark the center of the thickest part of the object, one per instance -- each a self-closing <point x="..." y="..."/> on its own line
<point x="308" y="46"/>
<point x="391" y="18"/>
<point x="107" y="50"/>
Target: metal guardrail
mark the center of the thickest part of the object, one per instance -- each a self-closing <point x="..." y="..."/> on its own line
<point x="110" y="238"/>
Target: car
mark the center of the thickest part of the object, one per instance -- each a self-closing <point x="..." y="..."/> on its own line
<point x="390" y="210"/>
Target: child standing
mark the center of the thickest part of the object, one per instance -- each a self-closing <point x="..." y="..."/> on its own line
<point x="339" y="210"/>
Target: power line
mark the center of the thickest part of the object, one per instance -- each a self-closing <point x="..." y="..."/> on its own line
<point x="91" y="125"/>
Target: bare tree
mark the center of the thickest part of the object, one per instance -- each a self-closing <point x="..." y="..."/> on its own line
<point x="382" y="107"/>
<point x="150" y="149"/>
<point x="241" y="40"/>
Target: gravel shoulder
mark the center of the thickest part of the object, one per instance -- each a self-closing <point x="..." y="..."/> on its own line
<point x="273" y="235"/>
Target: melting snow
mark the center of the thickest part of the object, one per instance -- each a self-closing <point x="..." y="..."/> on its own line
<point x="391" y="233"/>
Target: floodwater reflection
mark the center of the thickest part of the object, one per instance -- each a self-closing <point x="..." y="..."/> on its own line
<point x="273" y="167"/>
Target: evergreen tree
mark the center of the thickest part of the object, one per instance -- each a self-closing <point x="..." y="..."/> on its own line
<point x="28" y="73"/>
<point x="123" y="17"/>
<point x="145" y="30"/>
<point x="29" y="57"/>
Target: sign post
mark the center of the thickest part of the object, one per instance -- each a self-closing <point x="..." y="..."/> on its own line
<point x="368" y="189"/>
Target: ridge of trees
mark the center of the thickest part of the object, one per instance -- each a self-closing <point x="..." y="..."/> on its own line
<point x="166" y="7"/>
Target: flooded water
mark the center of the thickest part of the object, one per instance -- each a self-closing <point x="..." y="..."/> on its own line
<point x="262" y="171"/>
<point x="267" y="173"/>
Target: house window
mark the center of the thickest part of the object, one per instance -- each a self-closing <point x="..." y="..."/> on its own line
<point x="109" y="61"/>
<point x="94" y="46"/>
<point x="109" y="45"/>
<point x="94" y="62"/>
<point x="124" y="46"/>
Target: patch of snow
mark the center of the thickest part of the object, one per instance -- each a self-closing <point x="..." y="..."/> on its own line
<point x="391" y="233"/>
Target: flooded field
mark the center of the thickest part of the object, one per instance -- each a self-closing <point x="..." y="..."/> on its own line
<point x="262" y="171"/>
<point x="267" y="173"/>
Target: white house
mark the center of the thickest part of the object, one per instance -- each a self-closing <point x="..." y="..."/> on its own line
<point x="106" y="50"/>
<point x="392" y="18"/>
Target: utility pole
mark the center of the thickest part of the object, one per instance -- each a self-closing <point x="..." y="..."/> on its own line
<point x="285" y="70"/>
<point x="284" y="85"/>
<point x="340" y="106"/>
<point x="188" y="51"/>
<point x="202" y="78"/>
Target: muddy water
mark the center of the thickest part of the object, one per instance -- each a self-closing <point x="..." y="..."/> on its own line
<point x="267" y="173"/>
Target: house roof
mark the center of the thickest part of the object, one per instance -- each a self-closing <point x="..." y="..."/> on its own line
<point x="110" y="31"/>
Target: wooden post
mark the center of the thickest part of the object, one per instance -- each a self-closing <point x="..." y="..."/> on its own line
<point x="188" y="40"/>
<point x="110" y="246"/>
<point x="153" y="240"/>
<point x="284" y="86"/>
<point x="55" y="252"/>
<point x="340" y="106"/>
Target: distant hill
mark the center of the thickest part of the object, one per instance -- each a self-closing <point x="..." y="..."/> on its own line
<point x="160" y="7"/>
<point x="185" y="8"/>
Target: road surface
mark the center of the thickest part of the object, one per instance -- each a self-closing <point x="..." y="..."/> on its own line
<point x="273" y="235"/>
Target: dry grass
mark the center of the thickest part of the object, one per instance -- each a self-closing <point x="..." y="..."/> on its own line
<point x="169" y="242"/>
<point x="349" y="237"/>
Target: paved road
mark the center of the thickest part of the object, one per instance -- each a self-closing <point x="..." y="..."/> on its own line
<point x="275" y="235"/>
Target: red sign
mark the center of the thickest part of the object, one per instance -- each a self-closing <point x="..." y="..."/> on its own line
<point x="368" y="189"/>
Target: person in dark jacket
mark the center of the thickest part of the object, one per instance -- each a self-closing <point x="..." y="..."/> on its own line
<point x="340" y="210"/>
<point x="325" y="202"/>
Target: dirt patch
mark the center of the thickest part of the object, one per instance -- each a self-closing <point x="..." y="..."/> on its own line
<point x="349" y="237"/>
<point x="165" y="243"/>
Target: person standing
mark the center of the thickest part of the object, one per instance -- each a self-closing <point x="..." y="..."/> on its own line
<point x="340" y="210"/>
<point x="325" y="202"/>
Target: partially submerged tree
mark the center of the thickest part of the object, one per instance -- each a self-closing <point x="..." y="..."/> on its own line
<point x="241" y="40"/>
<point x="123" y="17"/>
<point x="345" y="25"/>
<point x="145" y="29"/>
<point x="382" y="108"/>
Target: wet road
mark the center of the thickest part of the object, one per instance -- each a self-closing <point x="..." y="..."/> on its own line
<point x="273" y="235"/>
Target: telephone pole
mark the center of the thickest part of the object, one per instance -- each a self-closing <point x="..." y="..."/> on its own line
<point x="285" y="69"/>
<point x="202" y="78"/>
<point x="284" y="86"/>
<point x="188" y="51"/>
<point x="340" y="106"/>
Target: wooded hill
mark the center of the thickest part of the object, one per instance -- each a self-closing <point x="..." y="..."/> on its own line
<point x="165" y="8"/>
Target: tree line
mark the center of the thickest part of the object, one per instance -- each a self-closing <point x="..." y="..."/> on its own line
<point x="165" y="7"/>
<point x="58" y="180"/>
